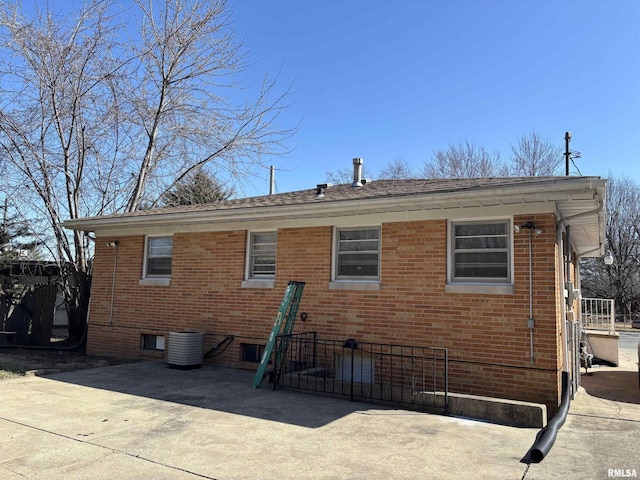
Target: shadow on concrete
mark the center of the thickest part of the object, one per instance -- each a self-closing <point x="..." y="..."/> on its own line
<point x="216" y="388"/>
<point x="616" y="385"/>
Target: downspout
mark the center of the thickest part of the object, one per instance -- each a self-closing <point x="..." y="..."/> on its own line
<point x="113" y="280"/>
<point x="547" y="436"/>
<point x="563" y="304"/>
<point x="567" y="235"/>
<point x="531" y="321"/>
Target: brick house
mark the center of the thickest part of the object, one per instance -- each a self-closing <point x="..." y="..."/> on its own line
<point x="460" y="264"/>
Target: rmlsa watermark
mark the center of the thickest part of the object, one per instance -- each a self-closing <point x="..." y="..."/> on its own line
<point x="622" y="473"/>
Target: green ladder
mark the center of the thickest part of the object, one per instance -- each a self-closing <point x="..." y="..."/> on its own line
<point x="287" y="315"/>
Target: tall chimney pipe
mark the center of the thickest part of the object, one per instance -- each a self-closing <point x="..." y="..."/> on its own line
<point x="272" y="180"/>
<point x="357" y="173"/>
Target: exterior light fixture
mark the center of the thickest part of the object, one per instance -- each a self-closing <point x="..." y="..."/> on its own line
<point x="527" y="226"/>
<point x="350" y="343"/>
<point x="608" y="258"/>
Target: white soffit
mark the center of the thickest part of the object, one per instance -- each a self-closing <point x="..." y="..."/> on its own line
<point x="565" y="197"/>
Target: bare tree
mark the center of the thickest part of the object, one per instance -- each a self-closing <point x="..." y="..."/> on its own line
<point x="397" y="169"/>
<point x="621" y="280"/>
<point x="534" y="156"/>
<point x="344" y="175"/>
<point x="16" y="238"/>
<point x="341" y="176"/>
<point x="188" y="119"/>
<point x="96" y="118"/>
<point x="464" y="160"/>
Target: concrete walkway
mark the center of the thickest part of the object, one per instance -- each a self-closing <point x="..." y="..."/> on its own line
<point x="602" y="430"/>
<point x="145" y="421"/>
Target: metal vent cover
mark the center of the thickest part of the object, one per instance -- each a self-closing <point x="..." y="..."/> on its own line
<point x="186" y="349"/>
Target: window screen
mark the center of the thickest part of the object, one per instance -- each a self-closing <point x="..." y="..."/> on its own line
<point x="159" y="255"/>
<point x="262" y="254"/>
<point x="357" y="254"/>
<point x="481" y="251"/>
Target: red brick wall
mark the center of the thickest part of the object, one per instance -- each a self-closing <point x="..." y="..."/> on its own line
<point x="487" y="335"/>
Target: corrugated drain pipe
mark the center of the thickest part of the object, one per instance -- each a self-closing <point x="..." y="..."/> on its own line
<point x="547" y="436"/>
<point x="76" y="346"/>
<point x="53" y="347"/>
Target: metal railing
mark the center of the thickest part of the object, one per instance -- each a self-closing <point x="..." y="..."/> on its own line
<point x="598" y="314"/>
<point x="410" y="376"/>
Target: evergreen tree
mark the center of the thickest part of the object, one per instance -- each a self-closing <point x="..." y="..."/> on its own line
<point x="199" y="187"/>
<point x="15" y="237"/>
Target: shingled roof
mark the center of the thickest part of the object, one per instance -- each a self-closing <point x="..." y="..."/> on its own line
<point x="578" y="201"/>
<point x="340" y="193"/>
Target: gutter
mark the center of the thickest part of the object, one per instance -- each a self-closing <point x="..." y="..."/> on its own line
<point x="559" y="227"/>
<point x="597" y="211"/>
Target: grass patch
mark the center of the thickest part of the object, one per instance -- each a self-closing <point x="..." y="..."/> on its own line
<point x="10" y="370"/>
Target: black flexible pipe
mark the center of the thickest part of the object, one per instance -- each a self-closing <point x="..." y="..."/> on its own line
<point x="213" y="352"/>
<point x="52" y="347"/>
<point x="547" y="436"/>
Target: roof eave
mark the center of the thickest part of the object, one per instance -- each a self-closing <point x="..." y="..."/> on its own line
<point x="339" y="207"/>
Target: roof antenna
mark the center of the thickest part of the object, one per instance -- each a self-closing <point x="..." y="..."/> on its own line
<point x="567" y="152"/>
<point x="570" y="155"/>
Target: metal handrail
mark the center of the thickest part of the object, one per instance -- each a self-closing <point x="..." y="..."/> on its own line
<point x="415" y="377"/>
<point x="598" y="313"/>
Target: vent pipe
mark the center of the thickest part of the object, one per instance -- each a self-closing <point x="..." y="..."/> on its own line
<point x="357" y="173"/>
<point x="272" y="180"/>
<point x="321" y="188"/>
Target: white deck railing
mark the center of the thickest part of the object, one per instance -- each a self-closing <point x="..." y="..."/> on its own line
<point x="598" y="314"/>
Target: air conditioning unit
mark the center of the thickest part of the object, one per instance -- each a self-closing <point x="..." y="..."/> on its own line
<point x="186" y="350"/>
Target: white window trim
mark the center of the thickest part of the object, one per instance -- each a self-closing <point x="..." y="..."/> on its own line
<point x="153" y="279"/>
<point x="160" y="342"/>
<point x="262" y="281"/>
<point x="480" y="287"/>
<point x="155" y="282"/>
<point x="255" y="283"/>
<point x="363" y="285"/>
<point x="354" y="283"/>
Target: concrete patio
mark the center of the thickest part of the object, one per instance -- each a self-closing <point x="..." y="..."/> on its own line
<point x="144" y="420"/>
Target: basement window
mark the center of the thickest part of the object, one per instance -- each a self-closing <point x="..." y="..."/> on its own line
<point x="152" y="342"/>
<point x="251" y="352"/>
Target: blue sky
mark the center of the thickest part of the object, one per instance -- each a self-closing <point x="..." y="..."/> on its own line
<point x="379" y="81"/>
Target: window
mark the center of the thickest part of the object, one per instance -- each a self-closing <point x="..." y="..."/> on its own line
<point x="159" y="254"/>
<point x="480" y="252"/>
<point x="357" y="254"/>
<point x="152" y="342"/>
<point x="262" y="255"/>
